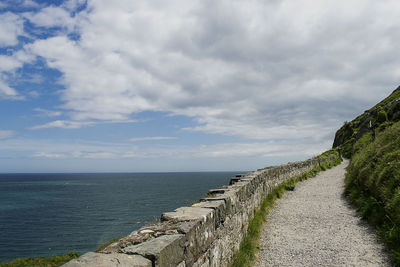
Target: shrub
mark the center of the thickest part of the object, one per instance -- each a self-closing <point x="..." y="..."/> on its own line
<point x="382" y="116"/>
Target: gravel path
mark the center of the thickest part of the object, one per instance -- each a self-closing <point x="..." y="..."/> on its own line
<point x="314" y="226"/>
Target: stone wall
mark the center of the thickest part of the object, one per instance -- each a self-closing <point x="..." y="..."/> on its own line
<point x="204" y="234"/>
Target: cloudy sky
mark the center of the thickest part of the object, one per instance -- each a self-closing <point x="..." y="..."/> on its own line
<point x="181" y="85"/>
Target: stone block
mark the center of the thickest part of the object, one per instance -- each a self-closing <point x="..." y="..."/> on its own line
<point x="185" y="227"/>
<point x="218" y="206"/>
<point x="187" y="214"/>
<point x="228" y="198"/>
<point x="166" y="250"/>
<point x="201" y="234"/>
<point x="234" y="180"/>
<point x="92" y="259"/>
<point x="247" y="179"/>
<point x="202" y="261"/>
<point x="220" y="191"/>
<point x="144" y="234"/>
<point x="240" y="190"/>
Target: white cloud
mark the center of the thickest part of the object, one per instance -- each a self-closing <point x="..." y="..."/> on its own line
<point x="260" y="149"/>
<point x="34" y="78"/>
<point x="152" y="138"/>
<point x="72" y="5"/>
<point x="88" y="155"/>
<point x="65" y="149"/>
<point x="7" y="92"/>
<point x="76" y="155"/>
<point x="30" y="4"/>
<point x="11" y="26"/>
<point x="52" y="17"/>
<point x="9" y="63"/>
<point x="8" y="66"/>
<point x="14" y="61"/>
<point x="20" y="3"/>
<point x="34" y="94"/>
<point x="48" y="155"/>
<point x="63" y="124"/>
<point x="5" y="134"/>
<point x="48" y="113"/>
<point x="84" y="149"/>
<point x="256" y="69"/>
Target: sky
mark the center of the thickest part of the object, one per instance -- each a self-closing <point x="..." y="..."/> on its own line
<point x="201" y="85"/>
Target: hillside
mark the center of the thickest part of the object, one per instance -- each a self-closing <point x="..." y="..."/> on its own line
<point x="372" y="141"/>
<point x="374" y="120"/>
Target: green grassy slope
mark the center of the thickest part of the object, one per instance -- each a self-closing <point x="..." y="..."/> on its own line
<point x="373" y="177"/>
<point x="376" y="119"/>
<point x="373" y="184"/>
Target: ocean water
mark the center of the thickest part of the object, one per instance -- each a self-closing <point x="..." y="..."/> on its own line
<point x="50" y="214"/>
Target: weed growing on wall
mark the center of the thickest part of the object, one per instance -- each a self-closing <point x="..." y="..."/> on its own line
<point x="108" y="243"/>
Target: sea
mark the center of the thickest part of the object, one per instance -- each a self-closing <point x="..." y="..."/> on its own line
<point x="44" y="215"/>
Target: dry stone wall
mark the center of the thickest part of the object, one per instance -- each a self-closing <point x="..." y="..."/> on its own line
<point x="204" y="234"/>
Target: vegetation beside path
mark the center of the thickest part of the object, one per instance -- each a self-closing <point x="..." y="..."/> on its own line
<point x="372" y="143"/>
<point x="373" y="184"/>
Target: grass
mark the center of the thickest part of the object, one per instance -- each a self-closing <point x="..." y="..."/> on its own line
<point x="42" y="262"/>
<point x="54" y="261"/>
<point x="107" y="244"/>
<point x="249" y="246"/>
<point x="373" y="184"/>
